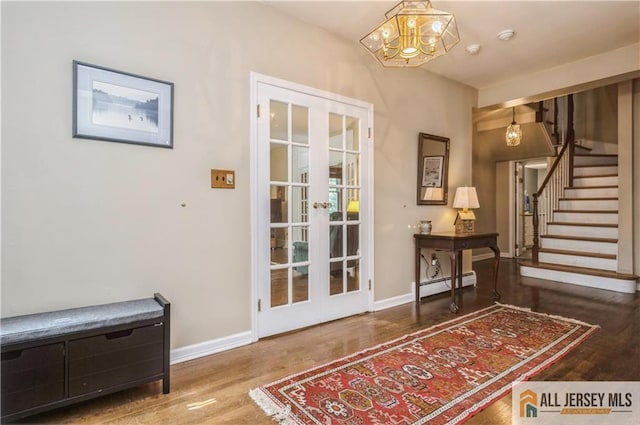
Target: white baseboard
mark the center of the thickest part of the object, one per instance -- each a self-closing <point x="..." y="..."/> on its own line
<point x="481" y="257"/>
<point x="393" y="301"/>
<point x="444" y="285"/>
<point x="426" y="289"/>
<point x="190" y="352"/>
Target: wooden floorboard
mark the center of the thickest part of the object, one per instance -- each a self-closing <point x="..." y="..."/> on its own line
<point x="611" y="353"/>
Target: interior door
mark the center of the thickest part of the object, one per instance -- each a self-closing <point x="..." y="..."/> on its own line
<point x="313" y="234"/>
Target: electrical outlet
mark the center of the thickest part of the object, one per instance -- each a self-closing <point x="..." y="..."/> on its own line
<point x="223" y="179"/>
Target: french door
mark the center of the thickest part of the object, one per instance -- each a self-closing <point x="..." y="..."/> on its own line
<point x="312" y="230"/>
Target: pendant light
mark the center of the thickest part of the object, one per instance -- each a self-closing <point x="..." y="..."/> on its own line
<point x="514" y="133"/>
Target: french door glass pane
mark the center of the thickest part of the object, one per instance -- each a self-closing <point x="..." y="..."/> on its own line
<point x="279" y="163"/>
<point x="299" y="204"/>
<point x="279" y="245"/>
<point x="300" y="164"/>
<point x="300" y="287"/>
<point x="335" y="167"/>
<point x="335" y="131"/>
<point x="279" y="287"/>
<point x="279" y="123"/>
<point x="353" y="204"/>
<point x="336" y="282"/>
<point x="335" y="241"/>
<point x="300" y="121"/>
<point x="352" y="134"/>
<point x="353" y="275"/>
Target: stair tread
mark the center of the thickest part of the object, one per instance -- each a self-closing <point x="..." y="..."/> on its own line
<point x="587" y="211"/>
<point x="595" y="177"/>
<point x="592" y="187"/>
<point x="581" y="238"/>
<point x="608" y="155"/>
<point x="570" y="223"/>
<point x="588" y="199"/>
<point x="595" y="165"/>
<point x="577" y="146"/>
<point x="578" y="253"/>
<point x="580" y="270"/>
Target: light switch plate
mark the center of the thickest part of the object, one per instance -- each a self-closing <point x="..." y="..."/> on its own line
<point x="223" y="179"/>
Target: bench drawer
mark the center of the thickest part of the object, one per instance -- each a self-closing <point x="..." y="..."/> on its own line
<point x="32" y="377"/>
<point x="115" y="359"/>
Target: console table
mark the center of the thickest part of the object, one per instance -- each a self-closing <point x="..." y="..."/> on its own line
<point x="455" y="243"/>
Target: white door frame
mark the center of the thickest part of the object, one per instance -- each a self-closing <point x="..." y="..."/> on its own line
<point x="255" y="80"/>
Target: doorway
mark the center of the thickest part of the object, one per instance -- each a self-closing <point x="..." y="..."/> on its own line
<point x="529" y="176"/>
<point x="311" y="236"/>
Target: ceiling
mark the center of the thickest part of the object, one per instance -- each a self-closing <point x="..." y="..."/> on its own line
<point x="547" y="33"/>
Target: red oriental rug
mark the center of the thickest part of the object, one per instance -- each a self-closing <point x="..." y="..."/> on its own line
<point x="440" y="375"/>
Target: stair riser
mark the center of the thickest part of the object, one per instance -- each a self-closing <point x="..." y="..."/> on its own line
<point x="595" y="171"/>
<point x="581" y="246"/>
<point x="578" y="217"/>
<point x="618" y="285"/>
<point x="578" y="261"/>
<point x="595" y="181"/>
<point x="587" y="192"/>
<point x="584" y="231"/>
<point x="579" y="204"/>
<point x="595" y="160"/>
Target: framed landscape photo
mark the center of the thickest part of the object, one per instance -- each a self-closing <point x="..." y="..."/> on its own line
<point x="432" y="171"/>
<point x="121" y="107"/>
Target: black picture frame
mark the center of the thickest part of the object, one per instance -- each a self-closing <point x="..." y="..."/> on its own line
<point x="121" y="107"/>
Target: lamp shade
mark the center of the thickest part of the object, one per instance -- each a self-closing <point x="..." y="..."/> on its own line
<point x="353" y="206"/>
<point x="466" y="197"/>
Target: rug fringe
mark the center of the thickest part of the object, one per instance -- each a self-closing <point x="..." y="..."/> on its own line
<point x="551" y="316"/>
<point x="282" y="415"/>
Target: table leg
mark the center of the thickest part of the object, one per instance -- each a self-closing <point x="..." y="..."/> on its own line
<point x="496" y="266"/>
<point x="453" y="306"/>
<point x="417" y="273"/>
<point x="459" y="269"/>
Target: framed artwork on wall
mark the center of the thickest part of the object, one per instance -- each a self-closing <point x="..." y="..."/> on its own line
<point x="120" y="107"/>
<point x="432" y="171"/>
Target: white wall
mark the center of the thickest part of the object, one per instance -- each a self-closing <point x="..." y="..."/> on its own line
<point x="89" y="222"/>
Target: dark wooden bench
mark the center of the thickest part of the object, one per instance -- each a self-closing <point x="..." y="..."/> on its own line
<point x="54" y="359"/>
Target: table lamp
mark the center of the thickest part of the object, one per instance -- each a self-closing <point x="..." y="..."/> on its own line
<point x="466" y="198"/>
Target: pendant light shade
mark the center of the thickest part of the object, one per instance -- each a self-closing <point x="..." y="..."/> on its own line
<point x="514" y="133"/>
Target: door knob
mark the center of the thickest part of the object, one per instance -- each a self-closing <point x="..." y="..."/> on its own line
<point x="325" y="205"/>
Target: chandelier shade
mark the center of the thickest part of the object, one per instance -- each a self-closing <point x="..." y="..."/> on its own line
<point x="413" y="34"/>
<point x="514" y="132"/>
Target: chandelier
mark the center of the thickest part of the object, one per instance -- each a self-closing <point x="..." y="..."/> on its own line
<point x="413" y="34"/>
<point x="514" y="133"/>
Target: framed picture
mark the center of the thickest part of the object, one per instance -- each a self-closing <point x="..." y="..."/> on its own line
<point x="121" y="107"/>
<point x="432" y="171"/>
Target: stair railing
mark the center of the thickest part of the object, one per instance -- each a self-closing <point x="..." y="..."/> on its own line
<point x="559" y="177"/>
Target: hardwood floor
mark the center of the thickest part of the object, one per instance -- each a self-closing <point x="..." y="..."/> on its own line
<point x="611" y="353"/>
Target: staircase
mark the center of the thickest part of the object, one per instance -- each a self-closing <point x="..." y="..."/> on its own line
<point x="580" y="243"/>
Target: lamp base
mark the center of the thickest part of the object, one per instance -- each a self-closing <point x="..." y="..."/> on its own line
<point x="465" y="226"/>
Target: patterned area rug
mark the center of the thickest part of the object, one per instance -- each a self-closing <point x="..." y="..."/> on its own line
<point x="441" y="375"/>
